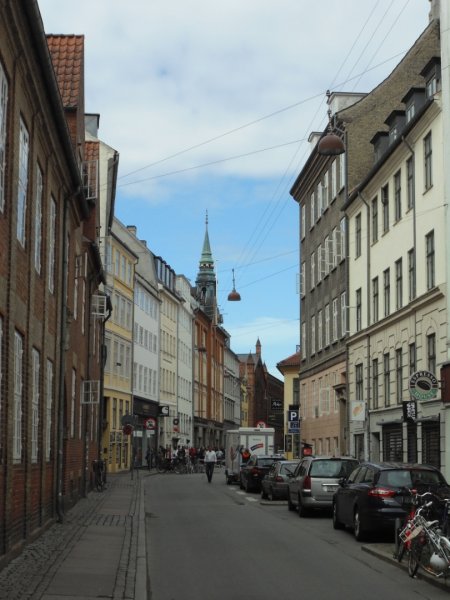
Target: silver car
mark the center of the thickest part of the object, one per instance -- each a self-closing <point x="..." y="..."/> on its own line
<point x="315" y="480"/>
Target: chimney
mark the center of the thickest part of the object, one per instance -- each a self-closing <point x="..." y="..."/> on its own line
<point x="132" y="229"/>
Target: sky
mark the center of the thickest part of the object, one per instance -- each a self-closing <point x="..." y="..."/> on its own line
<point x="210" y="106"/>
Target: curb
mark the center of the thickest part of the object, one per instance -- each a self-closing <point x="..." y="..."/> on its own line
<point x="386" y="552"/>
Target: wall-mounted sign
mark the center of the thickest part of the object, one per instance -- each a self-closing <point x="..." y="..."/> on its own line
<point x="276" y="404"/>
<point x="423" y="385"/>
<point x="410" y="411"/>
<point x="294" y="415"/>
<point x="357" y="410"/>
<point x="163" y="411"/>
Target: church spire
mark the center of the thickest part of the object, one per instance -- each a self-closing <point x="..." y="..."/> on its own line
<point x="206" y="278"/>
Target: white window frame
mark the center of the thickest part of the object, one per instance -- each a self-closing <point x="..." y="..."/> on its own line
<point x="327" y="325"/>
<point x="72" y="403"/>
<point x="313" y="335"/>
<point x="313" y="270"/>
<point x="48" y="410"/>
<point x="303" y="339"/>
<point x="38" y="219"/>
<point x="22" y="182"/>
<point x="343" y="314"/>
<point x="18" y="390"/>
<point x="333" y="180"/>
<point x="51" y="245"/>
<point x="302" y="279"/>
<point x="90" y="392"/>
<point x="3" y="128"/>
<point x="334" y="336"/>
<point x="325" y="202"/>
<point x="320" y="330"/>
<point x="35" y="399"/>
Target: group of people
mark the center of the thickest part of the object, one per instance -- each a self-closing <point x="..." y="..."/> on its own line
<point x="207" y="455"/>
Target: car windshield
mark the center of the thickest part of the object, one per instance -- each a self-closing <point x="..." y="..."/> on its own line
<point x="332" y="468"/>
<point x="410" y="478"/>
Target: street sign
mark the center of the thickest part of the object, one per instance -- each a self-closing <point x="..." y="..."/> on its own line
<point x="127" y="429"/>
<point x="293" y="415"/>
<point x="293" y="427"/>
<point x="261" y="424"/>
<point x="150" y="423"/>
<point x="127" y="420"/>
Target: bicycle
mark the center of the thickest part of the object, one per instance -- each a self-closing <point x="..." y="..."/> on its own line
<point x="429" y="547"/>
<point x="403" y="527"/>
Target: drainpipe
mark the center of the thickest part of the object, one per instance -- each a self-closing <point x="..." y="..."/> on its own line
<point x="368" y="267"/>
<point x="62" y="365"/>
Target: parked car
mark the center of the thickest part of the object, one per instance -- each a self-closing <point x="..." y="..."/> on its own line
<point x="315" y="480"/>
<point x="255" y="469"/>
<point x="374" y="495"/>
<point x="274" y="485"/>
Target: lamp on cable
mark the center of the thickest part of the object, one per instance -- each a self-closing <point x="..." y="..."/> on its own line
<point x="234" y="296"/>
<point x="330" y="144"/>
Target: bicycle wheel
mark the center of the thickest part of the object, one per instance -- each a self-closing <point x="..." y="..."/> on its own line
<point x="400" y="546"/>
<point x="415" y="552"/>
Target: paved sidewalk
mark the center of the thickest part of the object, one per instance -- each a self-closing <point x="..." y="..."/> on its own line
<point x="99" y="551"/>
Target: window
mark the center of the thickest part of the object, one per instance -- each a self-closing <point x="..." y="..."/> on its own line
<point x="333" y="179"/>
<point x="375" y="300"/>
<point x="302" y="222"/>
<point x="327" y="325"/>
<point x="385" y="203"/>
<point x="321" y="270"/>
<point x="410" y="111"/>
<point x="22" y="183"/>
<point x="334" y="336"/>
<point x="313" y="334"/>
<point x="387" y="380"/>
<point x="343" y="314"/>
<point x="375" y="392"/>
<point x="411" y="274"/>
<point x="358" y="310"/>
<point x="398" y="195"/>
<point x="412" y="358"/>
<point x="410" y="181"/>
<point x="51" y="245"/>
<point x="342" y="238"/>
<point x="429" y="241"/>
<point x="387" y="292"/>
<point x="431" y="352"/>
<point x="375" y="220"/>
<point x="72" y="403"/>
<point x="302" y="279"/>
<point x="313" y="269"/>
<point x="48" y="410"/>
<point x="3" y="106"/>
<point x="399" y="374"/>
<point x="399" y="283"/>
<point x="341" y="171"/>
<point x="38" y="220"/>
<point x="359" y="383"/>
<point x="320" y="330"/>
<point x="427" y="152"/>
<point x="303" y="340"/>
<point x="318" y="201"/>
<point x="18" y="386"/>
<point x="36" y="365"/>
<point x="358" y="235"/>
<point x="325" y="192"/>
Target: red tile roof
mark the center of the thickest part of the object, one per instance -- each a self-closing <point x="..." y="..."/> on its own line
<point x="67" y="52"/>
<point x="291" y="361"/>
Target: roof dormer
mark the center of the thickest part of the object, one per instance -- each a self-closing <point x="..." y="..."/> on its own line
<point x="380" y="142"/>
<point x="396" y="123"/>
<point x="413" y="102"/>
<point x="432" y="75"/>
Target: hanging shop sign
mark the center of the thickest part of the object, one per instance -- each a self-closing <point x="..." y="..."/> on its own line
<point x="423" y="385"/>
<point x="409" y="411"/>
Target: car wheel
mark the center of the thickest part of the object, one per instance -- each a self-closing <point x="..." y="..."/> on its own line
<point x="290" y="505"/>
<point x="263" y="494"/>
<point x="270" y="494"/>
<point x="247" y="486"/>
<point x="336" y="523"/>
<point x="240" y="484"/>
<point x="358" y="530"/>
<point x="302" y="511"/>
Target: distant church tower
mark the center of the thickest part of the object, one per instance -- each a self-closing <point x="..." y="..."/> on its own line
<point x="206" y="279"/>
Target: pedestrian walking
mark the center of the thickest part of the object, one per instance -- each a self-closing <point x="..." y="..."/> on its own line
<point x="148" y="458"/>
<point x="210" y="461"/>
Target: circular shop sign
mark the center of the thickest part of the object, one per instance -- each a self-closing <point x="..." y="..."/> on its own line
<point x="423" y="385"/>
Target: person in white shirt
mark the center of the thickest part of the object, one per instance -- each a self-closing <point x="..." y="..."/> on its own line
<point x="210" y="461"/>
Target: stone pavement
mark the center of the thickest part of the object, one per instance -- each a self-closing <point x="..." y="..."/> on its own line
<point x="99" y="551"/>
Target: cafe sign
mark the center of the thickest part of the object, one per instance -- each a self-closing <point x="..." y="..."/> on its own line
<point x="423" y="385"/>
